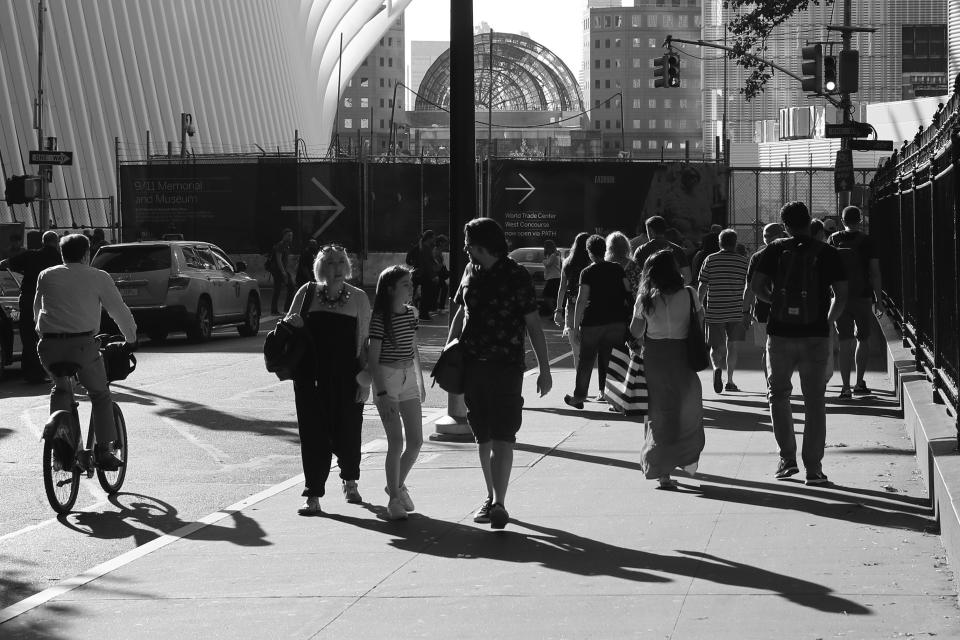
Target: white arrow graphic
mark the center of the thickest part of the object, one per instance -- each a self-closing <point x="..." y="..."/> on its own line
<point x="529" y="188"/>
<point x="337" y="207"/>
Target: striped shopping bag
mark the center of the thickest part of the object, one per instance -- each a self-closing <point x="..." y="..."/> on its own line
<point x="626" y="383"/>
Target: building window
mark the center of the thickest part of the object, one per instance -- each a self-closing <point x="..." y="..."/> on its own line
<point x="636" y="103"/>
<point x="364" y="82"/>
<point x="618" y="43"/>
<point x="682" y="124"/>
<point x="683" y="103"/>
<point x="348" y="123"/>
<point x="364" y="103"/>
<point x="618" y="63"/>
<point x="596" y="64"/>
<point x="606" y="84"/>
<point x="683" y="64"/>
<point x="635" y="20"/>
<point x="381" y="61"/>
<point x="668" y="20"/>
<point x="650" y="83"/>
<point x="389" y="62"/>
<point x="347" y="102"/>
<point x="596" y="104"/>
<point x="382" y="83"/>
<point x="652" y="43"/>
<point x="618" y="124"/>
<point x="596" y="124"/>
<point x="381" y="103"/>
<point x="683" y="22"/>
<point x="364" y="63"/>
<point x="381" y="123"/>
<point x="596" y="44"/>
<point x="636" y="124"/>
<point x="364" y="123"/>
<point x="652" y="103"/>
<point x="668" y="124"/>
<point x="651" y="124"/>
<point x="638" y="83"/>
<point x="638" y="42"/>
<point x="596" y="22"/>
<point x="652" y="144"/>
<point x="381" y="42"/>
<point x="637" y="63"/>
<point x="596" y="84"/>
<point x="606" y="63"/>
<point x="606" y="21"/>
<point x="618" y="21"/>
<point x="668" y="103"/>
<point x="637" y="144"/>
<point x="669" y="144"/>
<point x="350" y="82"/>
<point x="607" y="124"/>
<point x="683" y="144"/>
<point x="606" y="43"/>
<point x="697" y="21"/>
<point x="389" y="42"/>
<point x="651" y="20"/>
<point x="652" y="60"/>
<point x="390" y="103"/>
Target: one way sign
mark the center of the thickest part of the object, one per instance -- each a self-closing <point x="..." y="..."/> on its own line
<point x="51" y="157"/>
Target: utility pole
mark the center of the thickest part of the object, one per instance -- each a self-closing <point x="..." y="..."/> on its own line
<point x="46" y="171"/>
<point x="845" y="97"/>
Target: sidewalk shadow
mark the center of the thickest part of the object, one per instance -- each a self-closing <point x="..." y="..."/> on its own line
<point x="893" y="511"/>
<point x="148" y="518"/>
<point x="732" y="420"/>
<point x="16" y="585"/>
<point x="559" y="550"/>
<point x="601" y="412"/>
<point x="579" y="457"/>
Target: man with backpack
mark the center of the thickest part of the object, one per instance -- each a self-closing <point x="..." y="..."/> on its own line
<point x="862" y="266"/>
<point x="795" y="276"/>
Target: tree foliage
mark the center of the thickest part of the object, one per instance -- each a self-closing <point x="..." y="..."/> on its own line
<point x="751" y="25"/>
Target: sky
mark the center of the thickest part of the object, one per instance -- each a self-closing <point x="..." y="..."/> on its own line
<point x="556" y="24"/>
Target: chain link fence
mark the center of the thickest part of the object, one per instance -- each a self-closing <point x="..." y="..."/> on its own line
<point x="66" y="215"/>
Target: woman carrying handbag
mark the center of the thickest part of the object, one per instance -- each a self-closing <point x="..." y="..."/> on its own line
<point x="667" y="318"/>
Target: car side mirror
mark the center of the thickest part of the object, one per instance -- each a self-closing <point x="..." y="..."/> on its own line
<point x="241" y="266"/>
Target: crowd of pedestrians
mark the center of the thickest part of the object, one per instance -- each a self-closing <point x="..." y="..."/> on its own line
<point x="803" y="295"/>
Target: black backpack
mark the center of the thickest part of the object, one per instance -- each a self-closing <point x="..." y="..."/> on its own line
<point x="797" y="299"/>
<point x="848" y="244"/>
<point x="287" y="350"/>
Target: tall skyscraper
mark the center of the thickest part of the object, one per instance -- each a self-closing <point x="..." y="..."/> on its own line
<point x="885" y="70"/>
<point x="366" y="105"/>
<point x="621" y="44"/>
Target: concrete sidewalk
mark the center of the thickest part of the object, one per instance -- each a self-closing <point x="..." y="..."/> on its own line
<point x="593" y="550"/>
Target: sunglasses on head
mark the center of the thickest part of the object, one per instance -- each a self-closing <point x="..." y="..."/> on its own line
<point x="332" y="247"/>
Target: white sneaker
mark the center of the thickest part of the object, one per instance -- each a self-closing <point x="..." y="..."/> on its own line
<point x="351" y="493"/>
<point x="395" y="510"/>
<point x="404" y="497"/>
<point x="691" y="469"/>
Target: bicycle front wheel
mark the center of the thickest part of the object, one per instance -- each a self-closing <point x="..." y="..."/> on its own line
<point x="61" y="484"/>
<point x="111" y="481"/>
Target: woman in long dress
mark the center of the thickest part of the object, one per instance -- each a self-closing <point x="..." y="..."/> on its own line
<point x="673" y="434"/>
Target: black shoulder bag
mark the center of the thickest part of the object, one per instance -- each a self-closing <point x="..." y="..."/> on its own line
<point x="286" y="348"/>
<point x="698" y="355"/>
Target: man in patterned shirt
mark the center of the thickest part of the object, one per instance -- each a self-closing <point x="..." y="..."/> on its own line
<point x="722" y="278"/>
<point x="496" y="308"/>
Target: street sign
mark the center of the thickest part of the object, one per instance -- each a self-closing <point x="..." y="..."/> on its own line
<point x="843" y="179"/>
<point x="871" y="145"/>
<point x="851" y="130"/>
<point x="51" y="157"/>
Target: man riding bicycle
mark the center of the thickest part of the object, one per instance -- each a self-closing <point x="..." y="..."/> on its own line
<point x="67" y="308"/>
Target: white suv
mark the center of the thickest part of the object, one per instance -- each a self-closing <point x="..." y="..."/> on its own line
<point x="182" y="286"/>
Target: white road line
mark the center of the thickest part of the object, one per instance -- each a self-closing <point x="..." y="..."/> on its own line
<point x="534" y="370"/>
<point x="219" y="456"/>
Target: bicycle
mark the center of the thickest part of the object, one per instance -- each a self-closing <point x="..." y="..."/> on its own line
<point x="62" y="470"/>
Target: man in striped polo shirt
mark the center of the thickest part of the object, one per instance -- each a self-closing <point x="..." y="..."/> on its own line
<point x="722" y="278"/>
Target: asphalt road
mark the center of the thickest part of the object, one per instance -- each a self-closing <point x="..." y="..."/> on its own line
<point x="208" y="426"/>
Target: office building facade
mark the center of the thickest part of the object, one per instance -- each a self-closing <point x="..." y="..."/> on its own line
<point x="631" y="115"/>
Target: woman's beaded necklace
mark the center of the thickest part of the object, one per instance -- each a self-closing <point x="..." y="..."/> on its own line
<point x="337" y="302"/>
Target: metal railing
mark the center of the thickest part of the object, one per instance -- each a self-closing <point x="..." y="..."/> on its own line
<point x="916" y="224"/>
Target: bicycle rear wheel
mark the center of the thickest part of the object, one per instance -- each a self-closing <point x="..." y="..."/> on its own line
<point x="111" y="481"/>
<point x="61" y="484"/>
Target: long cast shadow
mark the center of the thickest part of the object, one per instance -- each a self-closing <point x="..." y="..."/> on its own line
<point x="579" y="457"/>
<point x="559" y="550"/>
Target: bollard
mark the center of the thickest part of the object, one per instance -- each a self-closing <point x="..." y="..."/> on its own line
<point x="453" y="427"/>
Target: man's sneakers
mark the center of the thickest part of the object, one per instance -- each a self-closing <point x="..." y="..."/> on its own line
<point x="482" y="515"/>
<point x="350" y="492"/>
<point x="395" y="510"/>
<point x="861" y="389"/>
<point x="718" y="381"/>
<point x="106" y="459"/>
<point x="498" y="516"/>
<point x="786" y="468"/>
<point x="573" y="402"/>
<point x="817" y="477"/>
<point x="311" y="507"/>
<point x="404" y="497"/>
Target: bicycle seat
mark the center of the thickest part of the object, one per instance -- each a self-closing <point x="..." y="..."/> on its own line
<point x="64" y="369"/>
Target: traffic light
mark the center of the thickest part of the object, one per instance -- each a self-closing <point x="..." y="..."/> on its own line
<point x="849" y="71"/>
<point x="811" y="68"/>
<point x="22" y="189"/>
<point x="666" y="71"/>
<point x="660" y="71"/>
<point x="673" y="70"/>
<point x="831" y="81"/>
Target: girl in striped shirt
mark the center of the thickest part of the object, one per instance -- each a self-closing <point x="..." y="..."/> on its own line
<point x="394" y="364"/>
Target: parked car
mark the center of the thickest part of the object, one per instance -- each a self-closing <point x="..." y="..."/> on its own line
<point x="531" y="258"/>
<point x="10" y="347"/>
<point x="182" y="286"/>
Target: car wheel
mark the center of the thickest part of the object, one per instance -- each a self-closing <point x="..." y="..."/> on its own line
<point x="157" y="336"/>
<point x="251" y="319"/>
<point x="202" y="327"/>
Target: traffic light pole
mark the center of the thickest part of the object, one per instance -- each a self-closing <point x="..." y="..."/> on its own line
<point x="45" y="170"/>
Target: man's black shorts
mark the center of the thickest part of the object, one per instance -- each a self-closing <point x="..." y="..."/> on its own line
<point x="493" y="393"/>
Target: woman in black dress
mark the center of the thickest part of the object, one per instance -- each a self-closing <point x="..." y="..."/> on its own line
<point x="328" y="397"/>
